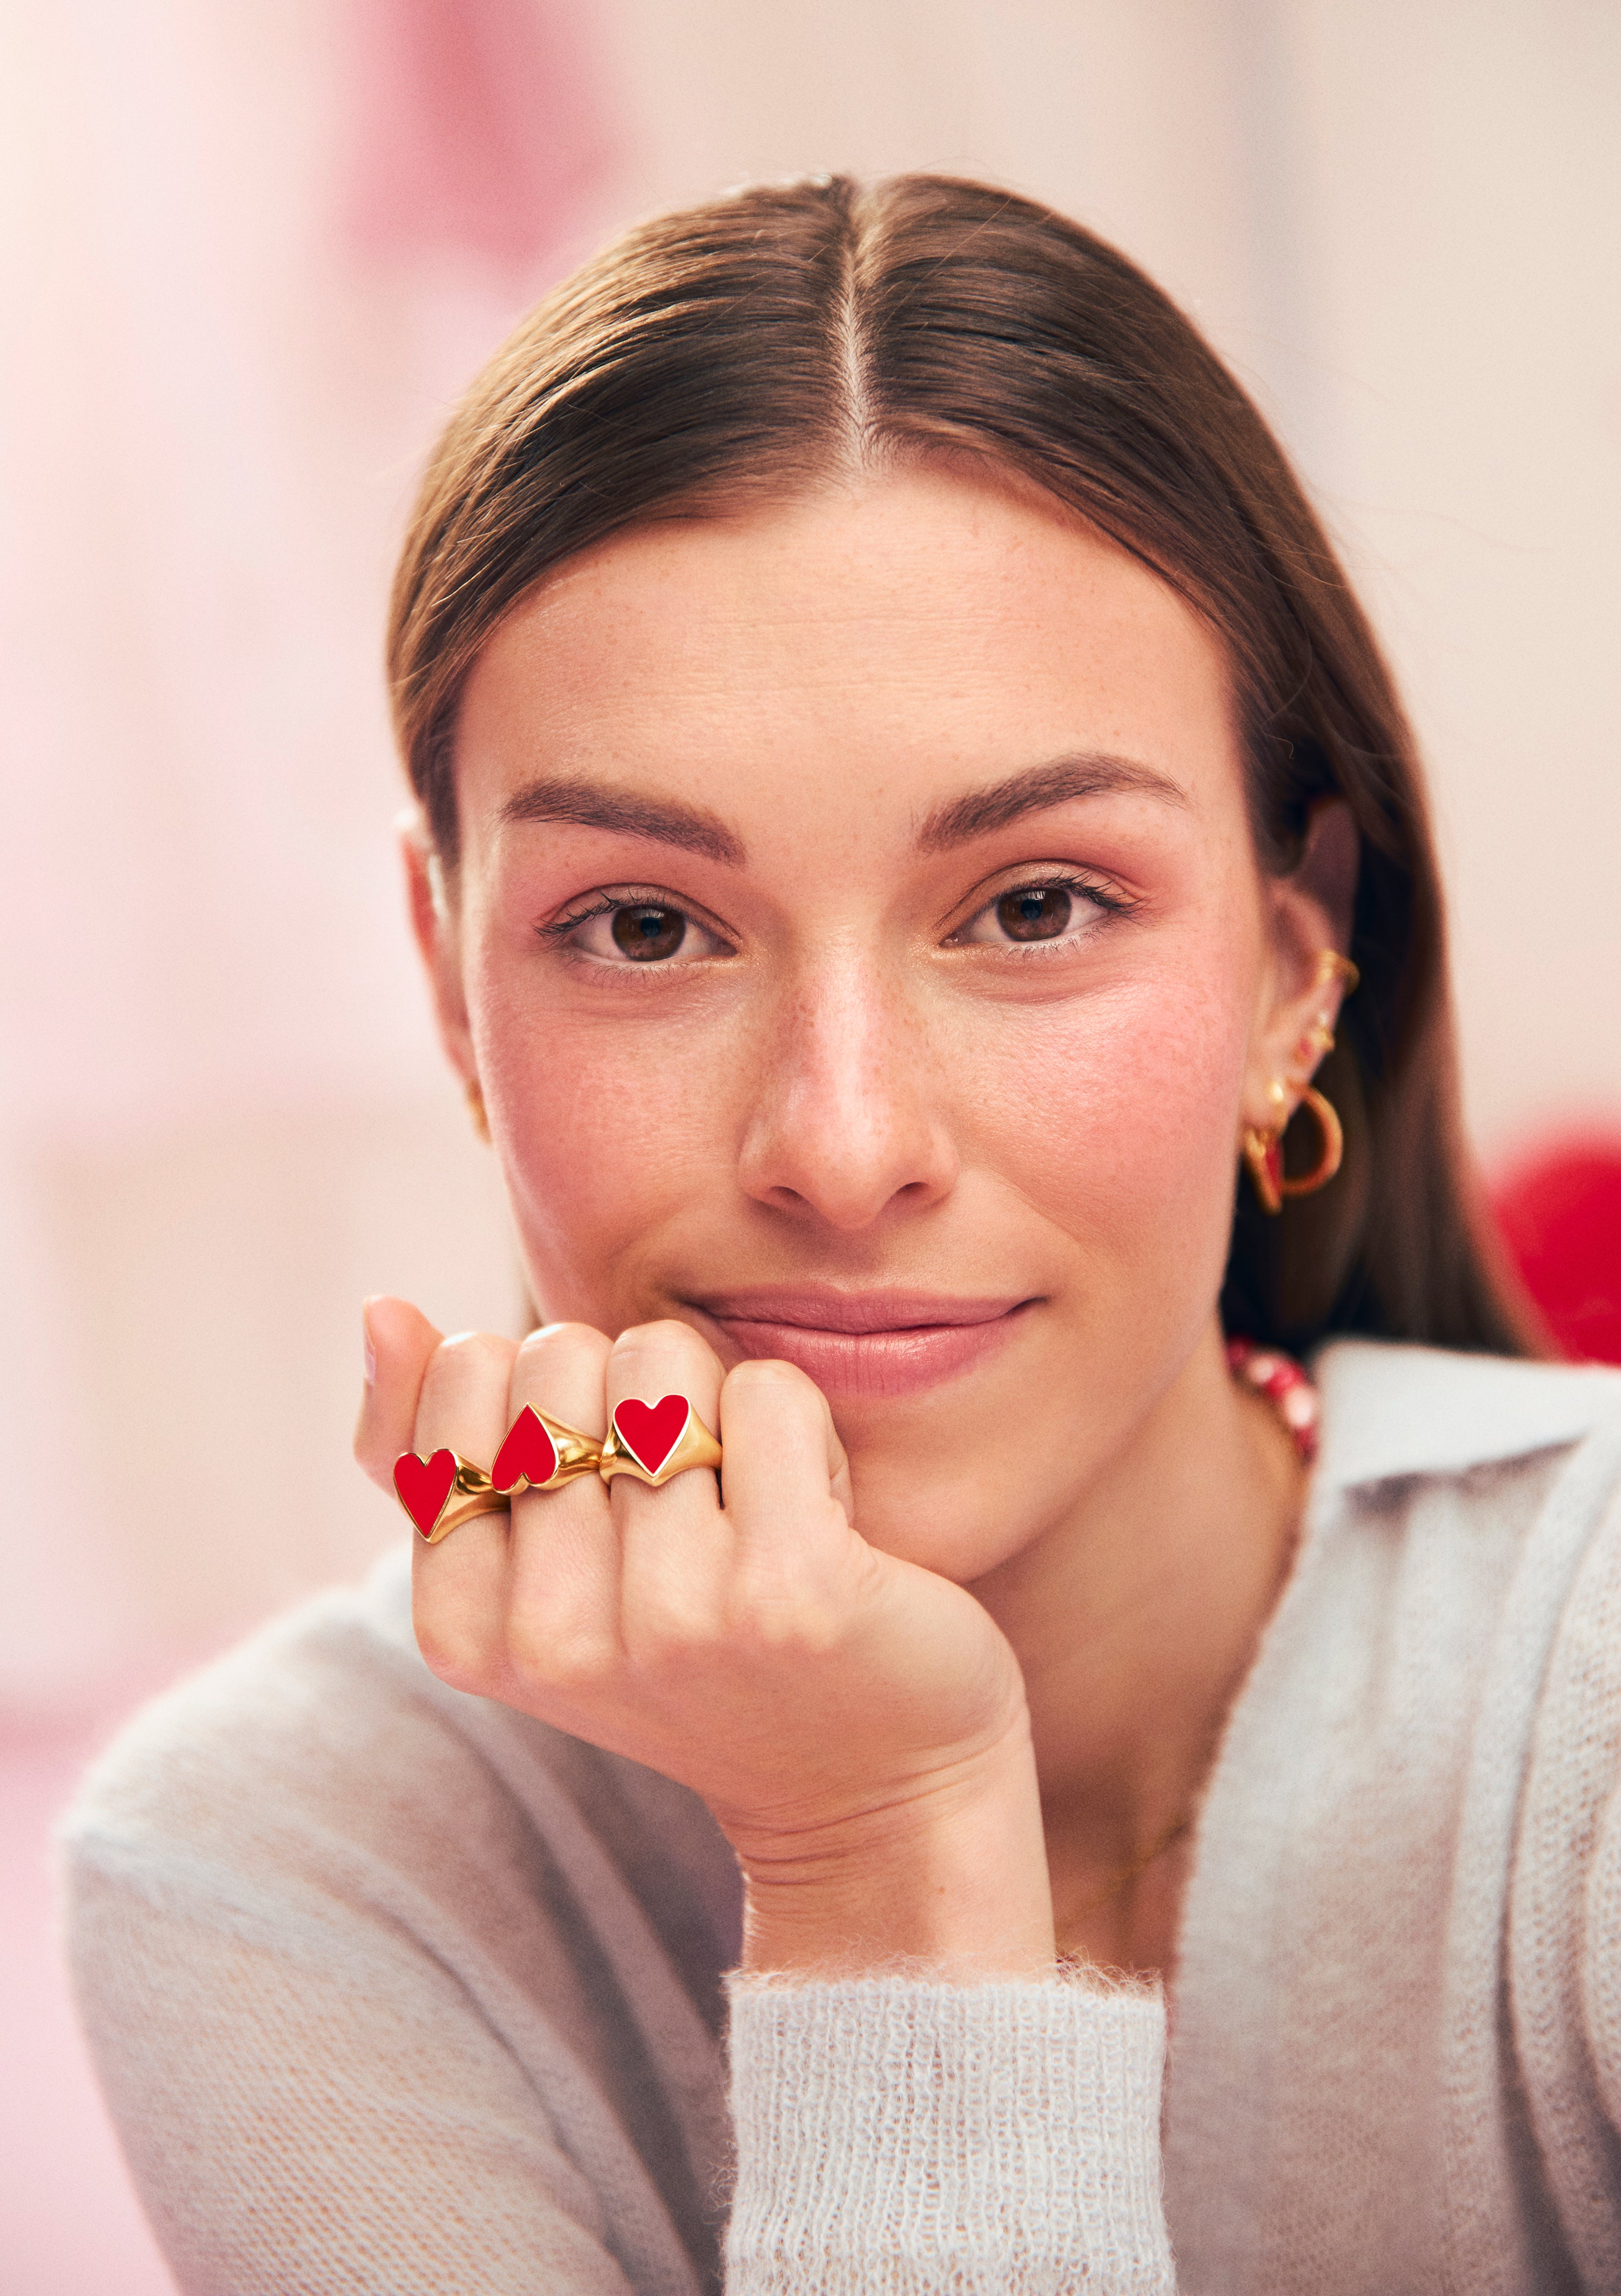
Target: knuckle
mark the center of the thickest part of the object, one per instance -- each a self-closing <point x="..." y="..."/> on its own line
<point x="462" y="1373"/>
<point x="449" y="1650"/>
<point x="571" y="1657"/>
<point x="668" y="1640"/>
<point x="667" y="1341"/>
<point x="766" y="1376"/>
<point x="671" y="1626"/>
<point x="788" y="1624"/>
<point x="663" y="1331"/>
<point x="552" y="1338"/>
<point x="469" y="1351"/>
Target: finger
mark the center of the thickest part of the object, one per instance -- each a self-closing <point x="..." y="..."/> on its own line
<point x="563" y="1608"/>
<point x="781" y="1436"/>
<point x="398" y="1340"/>
<point x="673" y="1538"/>
<point x="459" y="1586"/>
<point x="788" y="1485"/>
<point x="560" y="1369"/>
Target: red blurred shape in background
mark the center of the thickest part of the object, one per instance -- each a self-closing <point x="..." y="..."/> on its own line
<point x="474" y="125"/>
<point x="1560" y="1213"/>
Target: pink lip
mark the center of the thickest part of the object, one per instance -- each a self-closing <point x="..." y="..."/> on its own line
<point x="880" y="1344"/>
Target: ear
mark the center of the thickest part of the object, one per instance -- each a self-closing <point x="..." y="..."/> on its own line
<point x="436" y="924"/>
<point x="1300" y="996"/>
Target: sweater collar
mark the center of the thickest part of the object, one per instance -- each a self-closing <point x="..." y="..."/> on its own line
<point x="1389" y="1409"/>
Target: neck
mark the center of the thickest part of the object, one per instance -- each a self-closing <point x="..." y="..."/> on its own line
<point x="1135" y="1619"/>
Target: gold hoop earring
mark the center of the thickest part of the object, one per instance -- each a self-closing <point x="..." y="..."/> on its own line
<point x="476" y="1109"/>
<point x="1264" y="1152"/>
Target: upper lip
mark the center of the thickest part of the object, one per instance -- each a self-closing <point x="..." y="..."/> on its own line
<point x="824" y="1307"/>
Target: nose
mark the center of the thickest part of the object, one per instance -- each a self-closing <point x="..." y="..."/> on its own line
<point x="847" y="1123"/>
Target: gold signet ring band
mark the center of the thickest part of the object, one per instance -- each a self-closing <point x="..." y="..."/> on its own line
<point x="655" y="1441"/>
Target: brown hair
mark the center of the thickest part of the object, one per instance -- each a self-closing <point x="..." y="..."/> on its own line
<point x="755" y="345"/>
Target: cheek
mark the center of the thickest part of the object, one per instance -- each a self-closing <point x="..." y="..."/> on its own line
<point x="1135" y="1094"/>
<point x="606" y="1129"/>
<point x="1114" y="1131"/>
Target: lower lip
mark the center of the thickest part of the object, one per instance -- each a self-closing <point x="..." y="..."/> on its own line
<point x="883" y="1365"/>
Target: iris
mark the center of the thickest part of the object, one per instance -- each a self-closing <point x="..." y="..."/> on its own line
<point x="1034" y="913"/>
<point x="649" y="932"/>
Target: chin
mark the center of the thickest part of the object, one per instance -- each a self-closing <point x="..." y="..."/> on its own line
<point x="955" y="1525"/>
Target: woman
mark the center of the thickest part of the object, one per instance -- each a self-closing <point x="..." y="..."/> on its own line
<point x="905" y="794"/>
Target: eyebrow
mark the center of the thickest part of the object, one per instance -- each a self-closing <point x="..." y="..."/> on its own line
<point x="1034" y="791"/>
<point x="664" y="821"/>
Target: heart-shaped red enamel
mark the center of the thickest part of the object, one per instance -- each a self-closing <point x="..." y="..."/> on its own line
<point x="424" y="1485"/>
<point x="528" y="1454"/>
<point x="650" y="1431"/>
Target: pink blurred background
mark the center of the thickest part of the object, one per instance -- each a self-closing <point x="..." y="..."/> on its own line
<point x="250" y="252"/>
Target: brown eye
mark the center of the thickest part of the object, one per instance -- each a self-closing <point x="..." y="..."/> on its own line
<point x="1034" y="913"/>
<point x="644" y="932"/>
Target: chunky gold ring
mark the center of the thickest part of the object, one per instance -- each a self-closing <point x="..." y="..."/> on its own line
<point x="442" y="1491"/>
<point x="542" y="1454"/>
<point x="654" y="1442"/>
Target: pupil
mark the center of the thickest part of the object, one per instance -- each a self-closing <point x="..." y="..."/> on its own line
<point x="1034" y="912"/>
<point x="644" y="933"/>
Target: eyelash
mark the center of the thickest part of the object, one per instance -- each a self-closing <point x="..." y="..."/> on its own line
<point x="603" y="905"/>
<point x="557" y="930"/>
<point x="1098" y="891"/>
<point x="1101" y="891"/>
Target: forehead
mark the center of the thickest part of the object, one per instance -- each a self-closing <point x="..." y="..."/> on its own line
<point x="907" y="636"/>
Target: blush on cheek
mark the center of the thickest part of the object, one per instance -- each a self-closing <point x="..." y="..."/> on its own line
<point x="1122" y="1132"/>
<point x="607" y="1141"/>
<point x="1111" y="1147"/>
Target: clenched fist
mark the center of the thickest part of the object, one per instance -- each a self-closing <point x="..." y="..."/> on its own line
<point x="856" y="1723"/>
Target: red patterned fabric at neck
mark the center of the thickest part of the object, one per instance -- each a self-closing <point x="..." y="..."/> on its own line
<point x="1286" y="1387"/>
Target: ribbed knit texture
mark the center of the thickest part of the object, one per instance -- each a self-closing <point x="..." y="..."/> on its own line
<point x="393" y="1990"/>
<point x="895" y="2138"/>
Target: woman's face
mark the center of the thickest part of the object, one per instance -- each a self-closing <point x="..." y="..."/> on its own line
<point x="859" y="942"/>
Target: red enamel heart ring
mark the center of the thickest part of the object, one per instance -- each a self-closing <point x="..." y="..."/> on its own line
<point x="656" y="1441"/>
<point x="442" y="1491"/>
<point x="650" y="1431"/>
<point x="424" y="1485"/>
<point x="541" y="1453"/>
<point x="528" y="1458"/>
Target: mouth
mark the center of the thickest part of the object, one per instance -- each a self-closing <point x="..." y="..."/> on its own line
<point x="877" y="1344"/>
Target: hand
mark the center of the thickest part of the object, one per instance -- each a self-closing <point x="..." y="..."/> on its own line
<point x="856" y="1723"/>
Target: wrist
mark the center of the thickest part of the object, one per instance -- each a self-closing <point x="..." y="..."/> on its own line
<point x="948" y="1881"/>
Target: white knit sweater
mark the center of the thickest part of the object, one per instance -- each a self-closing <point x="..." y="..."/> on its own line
<point x="392" y="1989"/>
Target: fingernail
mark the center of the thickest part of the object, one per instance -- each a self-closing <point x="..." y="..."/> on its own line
<point x="370" y="1354"/>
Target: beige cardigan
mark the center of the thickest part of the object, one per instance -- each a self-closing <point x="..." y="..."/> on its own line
<point x="393" y="1990"/>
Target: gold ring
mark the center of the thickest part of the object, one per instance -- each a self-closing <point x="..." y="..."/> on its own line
<point x="542" y="1454"/>
<point x="655" y="1441"/>
<point x="442" y="1491"/>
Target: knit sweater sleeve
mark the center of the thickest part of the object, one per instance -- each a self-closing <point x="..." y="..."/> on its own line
<point x="313" y="2097"/>
<point x="898" y="2138"/>
<point x="352" y="2028"/>
<point x="308" y="2099"/>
